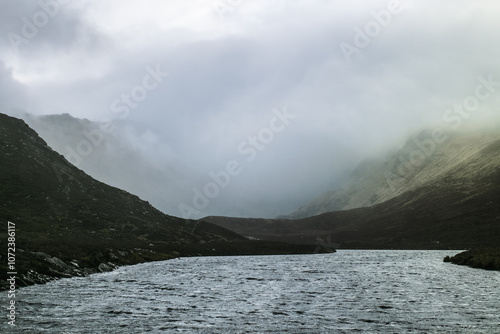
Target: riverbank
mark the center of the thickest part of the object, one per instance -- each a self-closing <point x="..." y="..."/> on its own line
<point x="60" y="222"/>
<point x="483" y="258"/>
<point x="40" y="267"/>
<point x="270" y="294"/>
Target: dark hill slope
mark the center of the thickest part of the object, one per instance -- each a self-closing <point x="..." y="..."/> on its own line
<point x="67" y="223"/>
<point x="484" y="258"/>
<point x="421" y="161"/>
<point x="459" y="210"/>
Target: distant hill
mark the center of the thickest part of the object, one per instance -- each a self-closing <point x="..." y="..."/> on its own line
<point x="67" y="223"/>
<point x="119" y="153"/>
<point x="451" y="200"/>
<point x="424" y="159"/>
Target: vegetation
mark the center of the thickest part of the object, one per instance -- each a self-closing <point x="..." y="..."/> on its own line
<point x="67" y="223"/>
<point x="459" y="209"/>
<point x="484" y="258"/>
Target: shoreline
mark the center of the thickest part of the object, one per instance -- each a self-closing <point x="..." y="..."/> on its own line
<point x="37" y="267"/>
<point x="50" y="268"/>
<point x="480" y="258"/>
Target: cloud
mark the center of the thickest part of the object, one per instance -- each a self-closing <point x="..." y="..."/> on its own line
<point x="227" y="73"/>
<point x="12" y="93"/>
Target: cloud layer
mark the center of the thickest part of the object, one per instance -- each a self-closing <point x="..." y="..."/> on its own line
<point x="231" y="63"/>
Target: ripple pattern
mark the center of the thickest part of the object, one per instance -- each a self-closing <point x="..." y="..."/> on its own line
<point x="344" y="292"/>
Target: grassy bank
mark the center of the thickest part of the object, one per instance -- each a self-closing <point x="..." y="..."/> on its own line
<point x="483" y="258"/>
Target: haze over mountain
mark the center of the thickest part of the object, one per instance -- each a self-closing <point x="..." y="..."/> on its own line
<point x="187" y="84"/>
<point x="449" y="199"/>
<point x="425" y="159"/>
<point x="130" y="157"/>
<point x="69" y="224"/>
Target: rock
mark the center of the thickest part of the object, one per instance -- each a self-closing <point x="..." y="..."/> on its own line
<point x="60" y="263"/>
<point x="64" y="269"/>
<point x="60" y="273"/>
<point x="41" y="254"/>
<point x="89" y="271"/>
<point x="103" y="267"/>
<point x="36" y="278"/>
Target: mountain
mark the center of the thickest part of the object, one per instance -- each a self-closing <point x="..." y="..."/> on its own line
<point x="119" y="153"/>
<point x="66" y="223"/>
<point x="450" y="200"/>
<point x="425" y="158"/>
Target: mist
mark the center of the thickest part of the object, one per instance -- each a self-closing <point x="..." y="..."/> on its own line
<point x="249" y="108"/>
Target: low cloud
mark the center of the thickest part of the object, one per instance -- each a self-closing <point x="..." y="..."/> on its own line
<point x="227" y="74"/>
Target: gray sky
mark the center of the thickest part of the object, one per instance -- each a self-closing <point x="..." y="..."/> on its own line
<point x="355" y="78"/>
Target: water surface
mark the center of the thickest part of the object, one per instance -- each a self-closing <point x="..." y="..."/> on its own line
<point x="344" y="292"/>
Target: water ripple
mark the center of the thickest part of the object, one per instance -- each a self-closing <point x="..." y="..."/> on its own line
<point x="344" y="292"/>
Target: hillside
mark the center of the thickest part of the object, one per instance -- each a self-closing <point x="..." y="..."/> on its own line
<point x="115" y="154"/>
<point x="483" y="258"/>
<point x="67" y="223"/>
<point x="423" y="159"/>
<point x="456" y="207"/>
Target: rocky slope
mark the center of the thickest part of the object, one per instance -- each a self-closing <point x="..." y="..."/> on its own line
<point x="454" y="205"/>
<point x="423" y="160"/>
<point x="67" y="223"/>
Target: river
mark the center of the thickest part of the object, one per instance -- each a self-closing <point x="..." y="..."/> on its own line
<point x="345" y="292"/>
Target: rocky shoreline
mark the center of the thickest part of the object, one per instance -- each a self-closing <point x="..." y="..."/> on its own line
<point x="482" y="258"/>
<point x="40" y="267"/>
<point x="37" y="267"/>
<point x="60" y="222"/>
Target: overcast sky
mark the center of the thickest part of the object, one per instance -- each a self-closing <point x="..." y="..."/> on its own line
<point x="349" y="79"/>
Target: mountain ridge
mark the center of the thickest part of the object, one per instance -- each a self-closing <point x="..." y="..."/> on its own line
<point x="114" y="152"/>
<point x="458" y="208"/>
<point x="386" y="179"/>
<point x="69" y="224"/>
